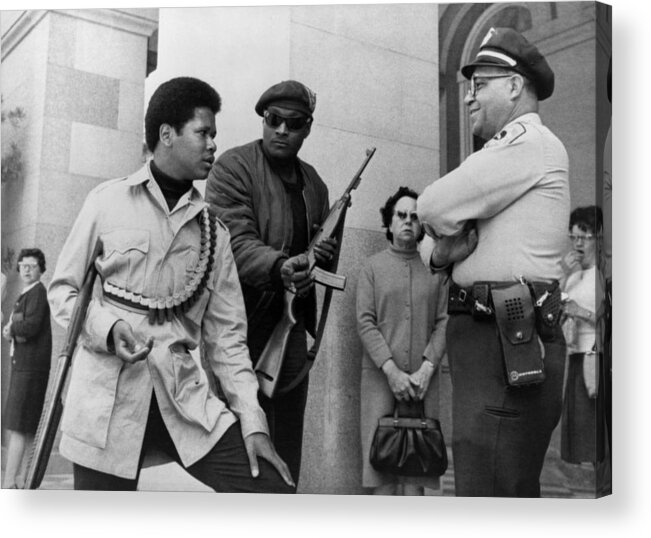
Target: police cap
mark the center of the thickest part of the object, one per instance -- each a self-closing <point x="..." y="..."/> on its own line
<point x="504" y="47"/>
<point x="289" y="94"/>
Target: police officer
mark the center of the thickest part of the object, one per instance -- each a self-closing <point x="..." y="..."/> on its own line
<point x="499" y="218"/>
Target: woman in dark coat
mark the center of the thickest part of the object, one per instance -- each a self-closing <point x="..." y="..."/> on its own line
<point x="29" y="332"/>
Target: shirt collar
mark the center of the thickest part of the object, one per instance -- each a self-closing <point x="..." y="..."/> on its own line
<point x="144" y="176"/>
<point x="27" y="288"/>
<point x="529" y="117"/>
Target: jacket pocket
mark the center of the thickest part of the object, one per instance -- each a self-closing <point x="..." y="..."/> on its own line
<point x="91" y="397"/>
<point x="191" y="395"/>
<point x="124" y="260"/>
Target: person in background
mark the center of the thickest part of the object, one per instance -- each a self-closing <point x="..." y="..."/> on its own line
<point x="582" y="409"/>
<point x="30" y="334"/>
<point x="401" y="321"/>
<point x="273" y="202"/>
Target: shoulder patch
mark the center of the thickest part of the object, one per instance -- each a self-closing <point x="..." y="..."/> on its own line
<point x="508" y="135"/>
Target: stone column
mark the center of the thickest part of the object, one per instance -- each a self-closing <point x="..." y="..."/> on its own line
<point x="78" y="76"/>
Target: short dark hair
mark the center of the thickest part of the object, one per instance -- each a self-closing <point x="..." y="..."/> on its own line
<point x="589" y="219"/>
<point x="174" y="103"/>
<point x="387" y="210"/>
<point x="32" y="253"/>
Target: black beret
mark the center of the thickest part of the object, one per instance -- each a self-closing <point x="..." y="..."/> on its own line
<point x="504" y="47"/>
<point x="289" y="94"/>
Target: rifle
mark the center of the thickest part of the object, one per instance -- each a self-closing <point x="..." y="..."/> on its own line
<point x="53" y="407"/>
<point x="271" y="360"/>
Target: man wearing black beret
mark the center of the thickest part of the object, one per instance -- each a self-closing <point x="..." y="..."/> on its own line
<point x="498" y="223"/>
<point x="272" y="202"/>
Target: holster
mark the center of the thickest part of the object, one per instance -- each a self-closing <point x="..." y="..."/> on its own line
<point x="548" y="308"/>
<point x="521" y="349"/>
<point x="481" y="306"/>
<point x="474" y="300"/>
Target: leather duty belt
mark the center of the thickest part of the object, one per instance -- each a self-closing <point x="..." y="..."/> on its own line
<point x="477" y="301"/>
<point x="474" y="300"/>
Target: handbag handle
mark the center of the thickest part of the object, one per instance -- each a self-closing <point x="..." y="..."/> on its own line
<point x="421" y="409"/>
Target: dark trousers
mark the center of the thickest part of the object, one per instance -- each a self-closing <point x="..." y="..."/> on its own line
<point x="286" y="411"/>
<point x="225" y="468"/>
<point x="500" y="433"/>
<point x="285" y="415"/>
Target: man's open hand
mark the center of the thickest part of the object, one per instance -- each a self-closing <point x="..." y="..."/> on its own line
<point x="259" y="445"/>
<point x="125" y="344"/>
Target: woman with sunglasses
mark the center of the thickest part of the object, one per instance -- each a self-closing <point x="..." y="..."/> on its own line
<point x="584" y="295"/>
<point x="29" y="332"/>
<point x="401" y="321"/>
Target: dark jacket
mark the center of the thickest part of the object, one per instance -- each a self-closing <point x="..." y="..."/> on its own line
<point x="32" y="332"/>
<point x="249" y="197"/>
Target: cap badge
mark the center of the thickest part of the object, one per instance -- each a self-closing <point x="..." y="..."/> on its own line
<point x="487" y="37"/>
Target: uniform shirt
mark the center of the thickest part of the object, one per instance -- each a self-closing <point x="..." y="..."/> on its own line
<point x="517" y="188"/>
<point x="152" y="251"/>
<point x="401" y="311"/>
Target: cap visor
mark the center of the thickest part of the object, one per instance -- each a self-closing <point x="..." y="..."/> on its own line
<point x="469" y="69"/>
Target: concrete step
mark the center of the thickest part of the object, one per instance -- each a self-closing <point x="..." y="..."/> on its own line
<point x="171" y="477"/>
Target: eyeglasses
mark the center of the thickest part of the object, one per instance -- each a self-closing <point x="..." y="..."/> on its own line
<point x="25" y="265"/>
<point x="403" y="215"/>
<point x="474" y="85"/>
<point x="574" y="238"/>
<point x="274" y="120"/>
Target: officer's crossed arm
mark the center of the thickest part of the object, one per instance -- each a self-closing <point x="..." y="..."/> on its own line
<point x="439" y="251"/>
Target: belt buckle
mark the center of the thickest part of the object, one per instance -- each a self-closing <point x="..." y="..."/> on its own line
<point x="462" y="295"/>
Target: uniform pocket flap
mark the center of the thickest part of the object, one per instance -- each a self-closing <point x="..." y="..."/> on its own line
<point x="125" y="239"/>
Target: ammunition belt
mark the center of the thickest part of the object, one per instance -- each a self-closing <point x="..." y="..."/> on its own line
<point x="161" y="309"/>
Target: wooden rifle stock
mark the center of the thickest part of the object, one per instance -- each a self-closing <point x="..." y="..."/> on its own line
<point x="53" y="407"/>
<point x="271" y="360"/>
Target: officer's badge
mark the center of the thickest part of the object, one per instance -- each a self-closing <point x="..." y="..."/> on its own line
<point x="487" y="37"/>
<point x="507" y="135"/>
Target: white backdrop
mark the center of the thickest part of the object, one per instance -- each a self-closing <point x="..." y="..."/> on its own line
<point x="626" y="513"/>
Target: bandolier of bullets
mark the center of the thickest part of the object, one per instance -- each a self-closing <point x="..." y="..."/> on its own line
<point x="161" y="309"/>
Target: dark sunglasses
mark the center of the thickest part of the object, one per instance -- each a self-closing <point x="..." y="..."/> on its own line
<point x="293" y="124"/>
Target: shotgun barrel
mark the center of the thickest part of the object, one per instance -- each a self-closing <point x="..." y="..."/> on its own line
<point x="53" y="407"/>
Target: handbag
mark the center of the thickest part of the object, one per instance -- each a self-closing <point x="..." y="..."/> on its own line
<point x="409" y="446"/>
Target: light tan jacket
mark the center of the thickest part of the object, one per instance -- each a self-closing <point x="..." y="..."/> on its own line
<point x="151" y="252"/>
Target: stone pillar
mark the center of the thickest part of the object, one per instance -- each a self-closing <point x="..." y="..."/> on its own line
<point x="375" y="70"/>
<point x="78" y="76"/>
